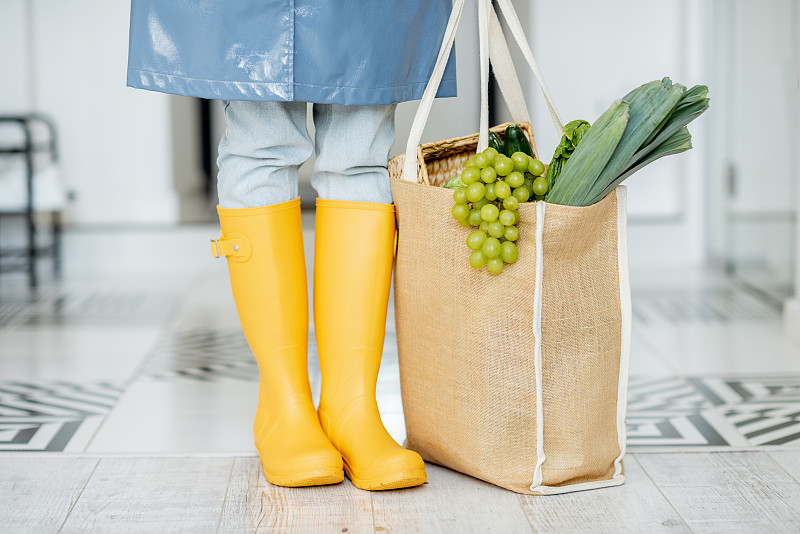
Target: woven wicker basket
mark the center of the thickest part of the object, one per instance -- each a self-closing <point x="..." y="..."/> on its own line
<point x="439" y="161"/>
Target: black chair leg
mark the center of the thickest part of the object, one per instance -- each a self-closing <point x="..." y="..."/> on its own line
<point x="32" y="280"/>
<point x="56" y="219"/>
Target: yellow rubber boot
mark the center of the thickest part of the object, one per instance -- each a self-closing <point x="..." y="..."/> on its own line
<point x="264" y="247"/>
<point x="352" y="276"/>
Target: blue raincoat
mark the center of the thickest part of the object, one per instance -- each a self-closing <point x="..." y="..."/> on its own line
<point x="365" y="52"/>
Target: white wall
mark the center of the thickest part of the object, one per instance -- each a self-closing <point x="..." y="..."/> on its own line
<point x="791" y="312"/>
<point x="115" y="142"/>
<point x="592" y="53"/>
<point x="756" y="131"/>
<point x="15" y="91"/>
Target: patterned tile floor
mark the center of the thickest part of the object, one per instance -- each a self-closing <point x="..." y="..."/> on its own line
<point x="157" y="363"/>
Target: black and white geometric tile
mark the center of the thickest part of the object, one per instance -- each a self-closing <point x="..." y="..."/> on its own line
<point x="16" y="303"/>
<point x="706" y="305"/>
<point x="9" y="311"/>
<point x="203" y="355"/>
<point x="663" y="412"/>
<point x="766" y="410"/>
<point x="669" y="412"/>
<point x="211" y="355"/>
<point x="95" y="306"/>
<point x="52" y="417"/>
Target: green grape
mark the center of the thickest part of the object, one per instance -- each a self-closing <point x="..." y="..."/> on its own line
<point x="477" y="259"/>
<point x="470" y="175"/>
<point x="503" y="165"/>
<point x="540" y="186"/>
<point x="488" y="175"/>
<point x="507" y="218"/>
<point x="489" y="212"/>
<point x="521" y="161"/>
<point x="491" y="247"/>
<point x="460" y="195"/>
<point x="494" y="265"/>
<point x="515" y="179"/>
<point x="475" y="191"/>
<point x="536" y="167"/>
<point x="471" y="162"/>
<point x="522" y="194"/>
<point x="475" y="240"/>
<point x="460" y="212"/>
<point x="516" y="216"/>
<point x="490" y="194"/>
<point x="511" y="233"/>
<point x="502" y="189"/>
<point x="484" y="226"/>
<point x="496" y="229"/>
<point x="479" y="160"/>
<point x="474" y="217"/>
<point x="511" y="203"/>
<point x="480" y="203"/>
<point x="509" y="252"/>
<point x="528" y="184"/>
<point x="538" y="197"/>
<point x="490" y="153"/>
<point x="465" y="223"/>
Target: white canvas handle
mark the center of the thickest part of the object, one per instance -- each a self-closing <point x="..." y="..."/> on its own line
<point x="504" y="71"/>
<point x="483" y="47"/>
<point x="492" y="46"/>
<point x="519" y="35"/>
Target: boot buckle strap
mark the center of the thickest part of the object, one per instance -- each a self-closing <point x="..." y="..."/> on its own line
<point x="234" y="246"/>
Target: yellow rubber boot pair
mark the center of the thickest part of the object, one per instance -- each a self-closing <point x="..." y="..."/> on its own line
<point x="264" y="247"/>
<point x="354" y="254"/>
<point x="353" y="268"/>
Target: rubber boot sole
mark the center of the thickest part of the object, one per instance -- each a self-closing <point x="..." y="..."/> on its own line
<point x="401" y="479"/>
<point x="322" y="477"/>
<point x="312" y="476"/>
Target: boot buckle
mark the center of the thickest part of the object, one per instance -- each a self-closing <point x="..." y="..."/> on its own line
<point x="215" y="248"/>
<point x="234" y="246"/>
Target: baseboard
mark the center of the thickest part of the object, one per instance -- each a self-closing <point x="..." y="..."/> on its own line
<point x="791" y="319"/>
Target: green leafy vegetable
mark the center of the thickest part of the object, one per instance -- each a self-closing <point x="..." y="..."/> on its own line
<point x="573" y="133"/>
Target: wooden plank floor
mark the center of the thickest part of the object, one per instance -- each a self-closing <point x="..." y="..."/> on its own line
<point x="688" y="492"/>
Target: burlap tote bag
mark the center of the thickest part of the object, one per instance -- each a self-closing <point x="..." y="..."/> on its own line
<point x="520" y="378"/>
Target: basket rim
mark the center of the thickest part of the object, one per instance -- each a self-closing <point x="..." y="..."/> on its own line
<point x="499" y="129"/>
<point x="443" y="148"/>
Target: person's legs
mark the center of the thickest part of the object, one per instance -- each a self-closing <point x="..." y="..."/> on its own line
<point x="352" y="148"/>
<point x="263" y="240"/>
<point x="354" y="253"/>
<point x="263" y="146"/>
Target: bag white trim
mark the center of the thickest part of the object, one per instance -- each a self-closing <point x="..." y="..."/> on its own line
<point x="624" y="360"/>
<point x="596" y="484"/>
<point x="625" y="306"/>
<point x="537" y="332"/>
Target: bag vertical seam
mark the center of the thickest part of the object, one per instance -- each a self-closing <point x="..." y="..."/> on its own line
<point x="537" y="332"/>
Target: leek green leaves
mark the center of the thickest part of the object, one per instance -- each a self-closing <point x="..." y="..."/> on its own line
<point x="591" y="156"/>
<point x="647" y="124"/>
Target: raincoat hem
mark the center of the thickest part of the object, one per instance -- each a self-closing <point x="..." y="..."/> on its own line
<point x="277" y="91"/>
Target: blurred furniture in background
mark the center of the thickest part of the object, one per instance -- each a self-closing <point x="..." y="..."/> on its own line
<point x="30" y="188"/>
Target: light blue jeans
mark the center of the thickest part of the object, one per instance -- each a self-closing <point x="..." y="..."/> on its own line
<point x="266" y="142"/>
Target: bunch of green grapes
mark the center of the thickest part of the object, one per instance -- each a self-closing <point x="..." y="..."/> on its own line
<point x="494" y="187"/>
